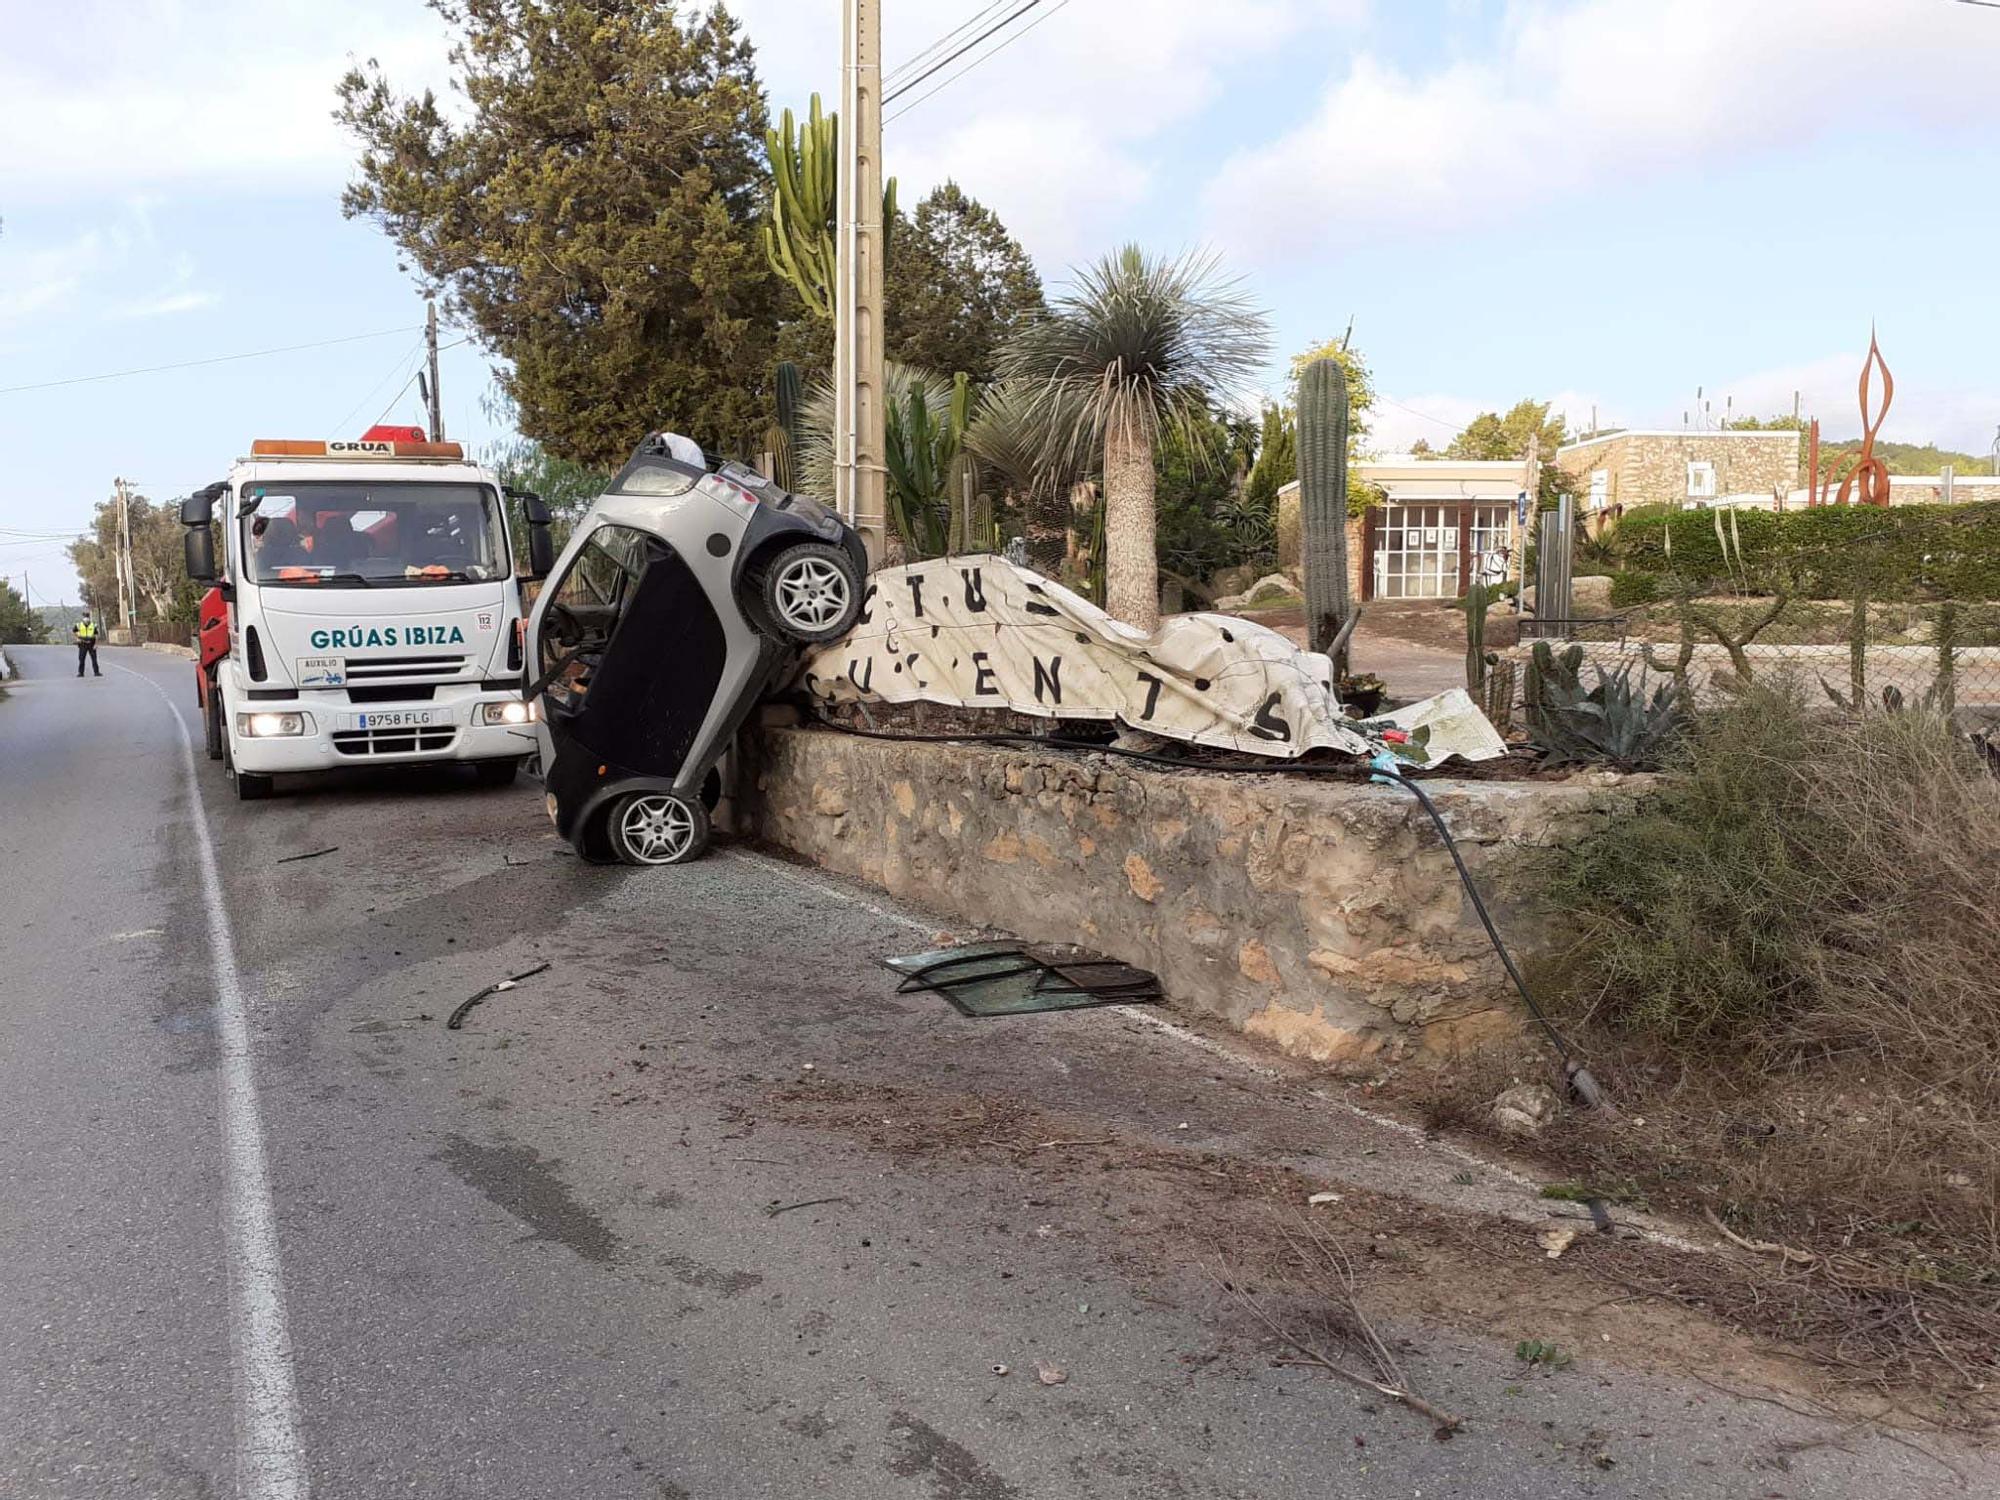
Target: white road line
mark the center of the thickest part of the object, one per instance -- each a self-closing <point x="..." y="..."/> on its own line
<point x="270" y="1456"/>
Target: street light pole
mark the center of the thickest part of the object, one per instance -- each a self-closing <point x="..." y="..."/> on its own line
<point x="860" y="435"/>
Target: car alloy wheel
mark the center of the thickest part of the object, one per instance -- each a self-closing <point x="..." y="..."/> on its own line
<point x="812" y="592"/>
<point x="658" y="828"/>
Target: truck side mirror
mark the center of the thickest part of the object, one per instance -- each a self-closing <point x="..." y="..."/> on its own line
<point x="541" y="545"/>
<point x="198" y="546"/>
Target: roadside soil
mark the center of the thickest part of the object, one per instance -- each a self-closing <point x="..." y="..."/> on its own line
<point x="1908" y="1310"/>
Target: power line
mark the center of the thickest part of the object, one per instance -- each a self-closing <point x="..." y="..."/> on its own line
<point x="341" y="426"/>
<point x="190" y="364"/>
<point x="1427" y="416"/>
<point x="412" y="380"/>
<point x="944" y="41"/>
<point x="984" y="57"/>
<point x="1008" y="20"/>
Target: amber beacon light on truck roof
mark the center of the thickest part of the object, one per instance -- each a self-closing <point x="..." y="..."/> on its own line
<point x="362" y="448"/>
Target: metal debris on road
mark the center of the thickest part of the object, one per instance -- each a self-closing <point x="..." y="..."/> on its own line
<point x="774" y="1209"/>
<point x="1005" y="979"/>
<point x="457" y="1018"/>
<point x="292" y="859"/>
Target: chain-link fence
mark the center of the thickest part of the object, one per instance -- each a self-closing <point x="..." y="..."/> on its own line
<point x="1919" y="624"/>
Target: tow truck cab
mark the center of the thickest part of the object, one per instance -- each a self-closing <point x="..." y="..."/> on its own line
<point x="365" y="609"/>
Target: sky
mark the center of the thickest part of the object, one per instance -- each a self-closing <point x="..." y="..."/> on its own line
<point x="1627" y="207"/>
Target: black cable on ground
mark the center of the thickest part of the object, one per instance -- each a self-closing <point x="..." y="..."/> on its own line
<point x="1578" y="1076"/>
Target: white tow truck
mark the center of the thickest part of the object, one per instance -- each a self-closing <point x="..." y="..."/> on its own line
<point x="364" y="609"/>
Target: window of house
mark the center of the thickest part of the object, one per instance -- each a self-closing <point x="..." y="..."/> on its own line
<point x="1701" y="480"/>
<point x="1600" y="488"/>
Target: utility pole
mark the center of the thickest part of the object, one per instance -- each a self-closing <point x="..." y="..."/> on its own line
<point x="124" y="558"/>
<point x="431" y="395"/>
<point x="860" y="437"/>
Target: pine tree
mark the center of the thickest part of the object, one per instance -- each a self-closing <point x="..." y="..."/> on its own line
<point x="594" y="221"/>
<point x="958" y="285"/>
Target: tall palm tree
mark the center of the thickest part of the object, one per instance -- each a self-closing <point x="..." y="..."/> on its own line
<point x="1137" y="347"/>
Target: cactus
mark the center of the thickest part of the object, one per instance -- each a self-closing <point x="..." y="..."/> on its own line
<point x="1497" y="702"/>
<point x="799" y="239"/>
<point x="1943" y="693"/>
<point x="1331" y="614"/>
<point x="961" y="481"/>
<point x="1488" y="679"/>
<point x="783" y="439"/>
<point x="1476" y="659"/>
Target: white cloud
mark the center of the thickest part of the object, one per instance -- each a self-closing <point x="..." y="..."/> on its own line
<point x="166" y="305"/>
<point x="1925" y="408"/>
<point x="1057" y="133"/>
<point x="38" y="278"/>
<point x="217" y="93"/>
<point x="1576" y="93"/>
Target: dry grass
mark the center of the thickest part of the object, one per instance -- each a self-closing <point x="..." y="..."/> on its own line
<point x="1789" y="968"/>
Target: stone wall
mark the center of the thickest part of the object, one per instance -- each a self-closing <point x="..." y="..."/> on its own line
<point x="1648" y="468"/>
<point x="1322" y="916"/>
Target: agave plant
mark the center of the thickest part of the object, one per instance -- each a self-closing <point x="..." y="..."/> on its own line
<point x="1139" y="346"/>
<point x="1615" y="722"/>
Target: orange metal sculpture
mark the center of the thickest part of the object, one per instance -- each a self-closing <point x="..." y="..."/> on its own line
<point x="1867" y="483"/>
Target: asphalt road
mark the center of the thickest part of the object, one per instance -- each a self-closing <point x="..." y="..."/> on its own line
<point x="705" y="1211"/>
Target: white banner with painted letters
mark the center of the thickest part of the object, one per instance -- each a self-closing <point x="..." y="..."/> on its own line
<point x="979" y="632"/>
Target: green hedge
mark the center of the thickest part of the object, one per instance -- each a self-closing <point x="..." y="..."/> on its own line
<point x="1908" y="551"/>
<point x="1629" y="589"/>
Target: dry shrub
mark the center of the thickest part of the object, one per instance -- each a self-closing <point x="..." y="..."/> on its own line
<point x="1794" y="953"/>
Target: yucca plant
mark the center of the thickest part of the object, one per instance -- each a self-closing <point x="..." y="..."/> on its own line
<point x="1140" y="345"/>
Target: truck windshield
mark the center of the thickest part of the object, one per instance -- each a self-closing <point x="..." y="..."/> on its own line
<point x="354" y="534"/>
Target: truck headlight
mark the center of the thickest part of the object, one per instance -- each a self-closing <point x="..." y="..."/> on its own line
<point x="272" y="726"/>
<point x="508" y="713"/>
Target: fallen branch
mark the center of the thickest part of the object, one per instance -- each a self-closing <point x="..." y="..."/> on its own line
<point x="292" y="859"/>
<point x="776" y="1208"/>
<point x="1388" y="1381"/>
<point x="1762" y="1247"/>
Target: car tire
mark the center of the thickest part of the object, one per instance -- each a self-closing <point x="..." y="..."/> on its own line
<point x="497" y="772"/>
<point x="810" y="593"/>
<point x="212" y="723"/>
<point x="657" y="828"/>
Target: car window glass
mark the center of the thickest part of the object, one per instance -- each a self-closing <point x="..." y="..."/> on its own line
<point x="658" y="479"/>
<point x="588" y="602"/>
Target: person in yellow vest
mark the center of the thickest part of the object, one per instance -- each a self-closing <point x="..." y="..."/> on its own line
<point x="85" y="634"/>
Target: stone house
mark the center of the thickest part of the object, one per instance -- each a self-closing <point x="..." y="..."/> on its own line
<point x="1615" y="471"/>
